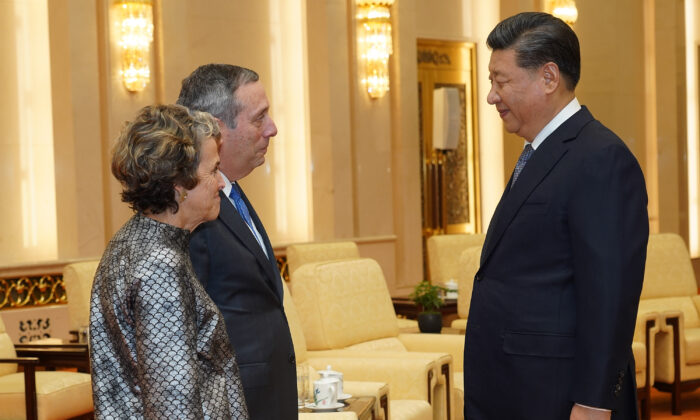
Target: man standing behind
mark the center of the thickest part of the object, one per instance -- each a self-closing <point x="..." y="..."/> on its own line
<point x="232" y="255"/>
<point x="555" y="300"/>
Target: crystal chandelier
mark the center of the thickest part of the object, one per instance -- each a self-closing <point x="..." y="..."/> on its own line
<point x="564" y="10"/>
<point x="134" y="19"/>
<point x="374" y="44"/>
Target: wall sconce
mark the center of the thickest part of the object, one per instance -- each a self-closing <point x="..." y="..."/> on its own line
<point x="135" y="25"/>
<point x="564" y="10"/>
<point x="374" y="44"/>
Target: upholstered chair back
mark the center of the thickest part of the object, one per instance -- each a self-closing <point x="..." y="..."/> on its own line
<point x="294" y="325"/>
<point x="444" y="252"/>
<point x="668" y="271"/>
<point x="300" y="254"/>
<point x="669" y="281"/>
<point x="7" y="351"/>
<point x="78" y="278"/>
<point x="469" y="261"/>
<point x="344" y="302"/>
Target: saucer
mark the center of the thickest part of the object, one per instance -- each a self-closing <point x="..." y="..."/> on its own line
<point x="313" y="407"/>
<point x="343" y="397"/>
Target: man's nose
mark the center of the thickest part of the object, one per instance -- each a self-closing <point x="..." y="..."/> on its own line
<point x="492" y="98"/>
<point x="271" y="129"/>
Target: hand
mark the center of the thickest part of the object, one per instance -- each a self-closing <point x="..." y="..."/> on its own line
<point x="579" y="412"/>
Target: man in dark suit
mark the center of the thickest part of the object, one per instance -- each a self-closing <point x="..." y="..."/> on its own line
<point x="555" y="300"/>
<point x="232" y="255"/>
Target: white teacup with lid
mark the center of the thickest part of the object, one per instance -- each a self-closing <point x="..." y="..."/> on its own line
<point x="326" y="393"/>
<point x="330" y="373"/>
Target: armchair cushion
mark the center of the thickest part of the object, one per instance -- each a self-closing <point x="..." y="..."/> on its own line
<point x="59" y="395"/>
<point x="344" y="302"/>
<point x="382" y="344"/>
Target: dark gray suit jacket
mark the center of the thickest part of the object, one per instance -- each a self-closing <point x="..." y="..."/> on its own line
<point x="555" y="300"/>
<point x="247" y="288"/>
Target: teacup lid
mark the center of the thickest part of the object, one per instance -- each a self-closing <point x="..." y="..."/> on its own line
<point x="329" y="372"/>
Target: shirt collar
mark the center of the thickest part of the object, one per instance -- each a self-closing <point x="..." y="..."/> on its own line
<point x="228" y="185"/>
<point x="570" y="109"/>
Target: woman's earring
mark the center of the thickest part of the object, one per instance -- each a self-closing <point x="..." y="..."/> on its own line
<point x="183" y="196"/>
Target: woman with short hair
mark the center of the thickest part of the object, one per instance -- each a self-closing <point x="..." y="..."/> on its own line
<point x="158" y="344"/>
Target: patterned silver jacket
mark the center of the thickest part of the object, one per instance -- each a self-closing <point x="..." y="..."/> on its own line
<point x="158" y="344"/>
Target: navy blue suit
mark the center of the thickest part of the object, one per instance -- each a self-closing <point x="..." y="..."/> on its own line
<point x="555" y="300"/>
<point x="247" y="287"/>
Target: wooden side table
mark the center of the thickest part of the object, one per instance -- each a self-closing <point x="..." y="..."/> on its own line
<point x="404" y="306"/>
<point x="362" y="406"/>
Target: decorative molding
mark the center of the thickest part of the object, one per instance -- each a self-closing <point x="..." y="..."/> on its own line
<point x="435" y="57"/>
<point x="23" y="292"/>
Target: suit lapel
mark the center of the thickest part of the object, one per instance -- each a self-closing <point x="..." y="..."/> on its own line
<point x="546" y="157"/>
<point x="272" y="271"/>
<point x="234" y="222"/>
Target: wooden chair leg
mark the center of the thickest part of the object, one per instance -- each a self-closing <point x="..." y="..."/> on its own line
<point x="676" y="398"/>
<point x="676" y="391"/>
<point x="643" y="401"/>
<point x="384" y="404"/>
<point x="30" y="392"/>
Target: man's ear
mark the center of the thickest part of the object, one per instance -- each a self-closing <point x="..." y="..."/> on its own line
<point x="551" y="76"/>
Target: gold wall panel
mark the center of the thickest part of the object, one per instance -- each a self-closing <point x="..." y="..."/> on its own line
<point x="450" y="191"/>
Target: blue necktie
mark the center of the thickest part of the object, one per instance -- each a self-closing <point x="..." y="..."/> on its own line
<point x="245" y="214"/>
<point x="522" y="160"/>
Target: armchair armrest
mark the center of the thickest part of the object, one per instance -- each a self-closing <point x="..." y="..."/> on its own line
<point x="57" y="355"/>
<point x="378" y="390"/>
<point x="29" y="367"/>
<point x="437" y="343"/>
<point x="408" y="378"/>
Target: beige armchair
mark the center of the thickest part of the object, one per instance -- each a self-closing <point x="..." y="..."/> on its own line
<point x="77" y="278"/>
<point x="444" y="252"/>
<point x="469" y="262"/>
<point x="35" y="394"/>
<point x="300" y="254"/>
<point x="366" y="376"/>
<point x="344" y="306"/>
<point x="670" y="290"/>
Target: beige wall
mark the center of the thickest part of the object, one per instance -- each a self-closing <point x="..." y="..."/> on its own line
<point x="29" y="194"/>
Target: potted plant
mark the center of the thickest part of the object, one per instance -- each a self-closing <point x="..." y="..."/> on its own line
<point x="427" y="297"/>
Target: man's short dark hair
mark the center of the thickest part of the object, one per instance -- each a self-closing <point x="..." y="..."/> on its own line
<point x="212" y="88"/>
<point x="538" y="38"/>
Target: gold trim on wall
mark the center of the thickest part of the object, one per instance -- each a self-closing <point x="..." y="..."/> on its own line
<point x="23" y="292"/>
